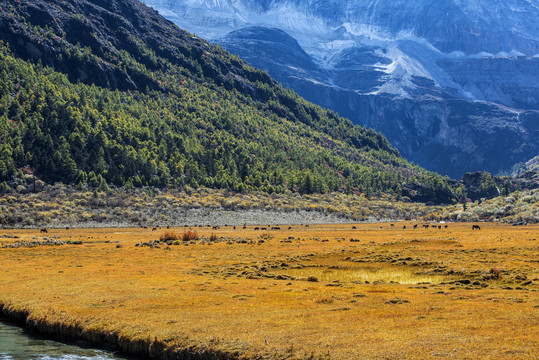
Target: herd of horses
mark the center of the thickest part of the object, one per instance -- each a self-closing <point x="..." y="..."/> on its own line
<point x="216" y="227"/>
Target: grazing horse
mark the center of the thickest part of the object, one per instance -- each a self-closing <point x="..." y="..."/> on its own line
<point x="154" y="229"/>
<point x="415" y="226"/>
<point x="354" y="228"/>
<point x="43" y="230"/>
<point x="476" y="227"/>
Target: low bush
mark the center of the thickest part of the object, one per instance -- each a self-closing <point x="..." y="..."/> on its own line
<point x="169" y="235"/>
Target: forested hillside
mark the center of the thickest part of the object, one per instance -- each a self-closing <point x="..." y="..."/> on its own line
<point x="106" y="93"/>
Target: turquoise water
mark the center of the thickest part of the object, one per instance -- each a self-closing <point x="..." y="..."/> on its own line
<point x="16" y="344"/>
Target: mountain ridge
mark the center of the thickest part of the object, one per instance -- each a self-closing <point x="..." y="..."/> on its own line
<point x="396" y="51"/>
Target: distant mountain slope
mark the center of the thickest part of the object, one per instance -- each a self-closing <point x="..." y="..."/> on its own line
<point x="448" y="82"/>
<point x="145" y="103"/>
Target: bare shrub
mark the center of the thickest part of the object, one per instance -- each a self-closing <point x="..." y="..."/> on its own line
<point x="169" y="235"/>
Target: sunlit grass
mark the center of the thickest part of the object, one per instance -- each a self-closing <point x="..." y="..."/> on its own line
<point x="228" y="296"/>
<point x="373" y="272"/>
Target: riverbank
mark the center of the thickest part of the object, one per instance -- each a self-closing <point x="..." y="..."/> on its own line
<point x="20" y="343"/>
<point x="326" y="291"/>
<point x="74" y="332"/>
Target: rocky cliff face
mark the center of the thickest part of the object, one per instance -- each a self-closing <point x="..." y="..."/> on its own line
<point x="453" y="84"/>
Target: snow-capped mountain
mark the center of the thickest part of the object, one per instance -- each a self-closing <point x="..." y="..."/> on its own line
<point x="445" y="81"/>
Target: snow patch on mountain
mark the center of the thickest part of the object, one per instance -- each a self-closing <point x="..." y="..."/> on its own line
<point x="411" y="36"/>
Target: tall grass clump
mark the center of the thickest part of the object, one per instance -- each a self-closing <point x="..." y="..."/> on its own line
<point x="169" y="235"/>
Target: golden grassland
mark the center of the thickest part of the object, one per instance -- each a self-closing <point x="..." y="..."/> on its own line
<point x="327" y="291"/>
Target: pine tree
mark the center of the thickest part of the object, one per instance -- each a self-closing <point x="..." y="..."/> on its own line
<point x="103" y="186"/>
<point x="506" y="189"/>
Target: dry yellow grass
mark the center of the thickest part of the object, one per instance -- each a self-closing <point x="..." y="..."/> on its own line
<point x="428" y="294"/>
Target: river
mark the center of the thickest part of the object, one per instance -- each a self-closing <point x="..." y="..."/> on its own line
<point x="17" y="344"/>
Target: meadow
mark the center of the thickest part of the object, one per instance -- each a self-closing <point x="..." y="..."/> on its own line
<point x="347" y="291"/>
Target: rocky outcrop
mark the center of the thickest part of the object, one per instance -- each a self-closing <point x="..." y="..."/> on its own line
<point x="483" y="185"/>
<point x="480" y="185"/>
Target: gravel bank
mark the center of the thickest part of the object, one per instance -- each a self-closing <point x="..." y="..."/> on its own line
<point x="221" y="217"/>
